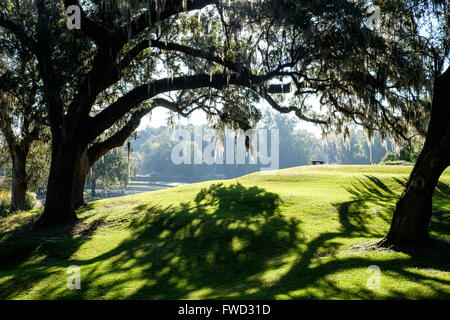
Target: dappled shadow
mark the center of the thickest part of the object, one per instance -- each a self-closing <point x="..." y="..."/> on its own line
<point x="356" y="214"/>
<point x="355" y="218"/>
<point x="442" y="189"/>
<point x="236" y="199"/>
<point x="228" y="243"/>
<point x="53" y="246"/>
<point x="440" y="222"/>
<point x="226" y="237"/>
<point x="24" y="241"/>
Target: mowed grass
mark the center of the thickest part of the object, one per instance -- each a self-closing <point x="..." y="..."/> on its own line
<point x="299" y="233"/>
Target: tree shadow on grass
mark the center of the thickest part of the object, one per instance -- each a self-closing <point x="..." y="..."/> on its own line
<point x="355" y="218"/>
<point x="220" y="246"/>
<point x="51" y="246"/>
<point x="440" y="221"/>
<point x="367" y="194"/>
<point x="233" y="242"/>
<point x="218" y="243"/>
<point x="355" y="214"/>
<point x="222" y="239"/>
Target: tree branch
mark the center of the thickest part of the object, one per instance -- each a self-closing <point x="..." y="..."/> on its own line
<point x="130" y="100"/>
<point x="89" y="27"/>
<point x="171" y="8"/>
<point x="118" y="139"/>
<point x="15" y="29"/>
<point x="297" y="111"/>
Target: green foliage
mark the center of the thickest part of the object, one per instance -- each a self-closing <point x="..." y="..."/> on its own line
<point x="5" y="159"/>
<point x="111" y="170"/>
<point x="322" y="48"/>
<point x="38" y="165"/>
<point x="398" y="163"/>
<point x="5" y="202"/>
<point x="407" y="154"/>
<point x="30" y="201"/>
<point x="389" y="157"/>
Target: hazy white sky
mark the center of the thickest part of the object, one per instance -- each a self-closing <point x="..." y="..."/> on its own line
<point x="159" y="118"/>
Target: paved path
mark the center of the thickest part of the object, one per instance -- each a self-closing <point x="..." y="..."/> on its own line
<point x="137" y="186"/>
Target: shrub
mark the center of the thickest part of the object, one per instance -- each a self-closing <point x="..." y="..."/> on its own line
<point x="30" y="201"/>
<point x="389" y="156"/>
<point x="5" y="202"/>
<point x="406" y="154"/>
<point x="398" y="163"/>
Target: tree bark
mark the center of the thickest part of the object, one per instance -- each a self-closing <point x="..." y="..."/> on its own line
<point x="59" y="205"/>
<point x="18" y="150"/>
<point x="80" y="179"/>
<point x="19" y="181"/>
<point x="413" y="211"/>
<point x="93" y="184"/>
<point x="91" y="155"/>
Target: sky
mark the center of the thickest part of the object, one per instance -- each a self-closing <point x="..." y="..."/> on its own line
<point x="159" y="116"/>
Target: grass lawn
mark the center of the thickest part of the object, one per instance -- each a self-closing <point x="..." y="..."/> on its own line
<point x="299" y="233"/>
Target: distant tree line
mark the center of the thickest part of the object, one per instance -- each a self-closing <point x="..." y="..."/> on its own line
<point x="152" y="151"/>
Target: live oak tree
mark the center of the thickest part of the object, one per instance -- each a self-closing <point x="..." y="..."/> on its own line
<point x="222" y="57"/>
<point x="422" y="29"/>
<point x="27" y="153"/>
<point x="397" y="84"/>
<point x="76" y="67"/>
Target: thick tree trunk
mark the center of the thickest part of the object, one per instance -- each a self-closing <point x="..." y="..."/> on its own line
<point x="19" y="181"/>
<point x="80" y="180"/>
<point x="59" y="205"/>
<point x="413" y="211"/>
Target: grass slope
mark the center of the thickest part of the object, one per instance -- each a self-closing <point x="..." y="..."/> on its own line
<point x="296" y="233"/>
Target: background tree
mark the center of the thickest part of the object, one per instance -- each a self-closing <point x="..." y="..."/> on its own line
<point x="111" y="170"/>
<point x="22" y="117"/>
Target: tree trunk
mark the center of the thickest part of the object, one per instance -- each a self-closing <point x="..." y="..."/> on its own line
<point x="93" y="183"/>
<point x="19" y="181"/>
<point x="80" y="180"/>
<point x="59" y="205"/>
<point x="413" y="211"/>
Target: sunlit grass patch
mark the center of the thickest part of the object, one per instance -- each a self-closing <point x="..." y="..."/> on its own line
<point x="305" y="232"/>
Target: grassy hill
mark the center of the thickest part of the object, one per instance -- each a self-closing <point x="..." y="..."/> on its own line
<point x="303" y="232"/>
